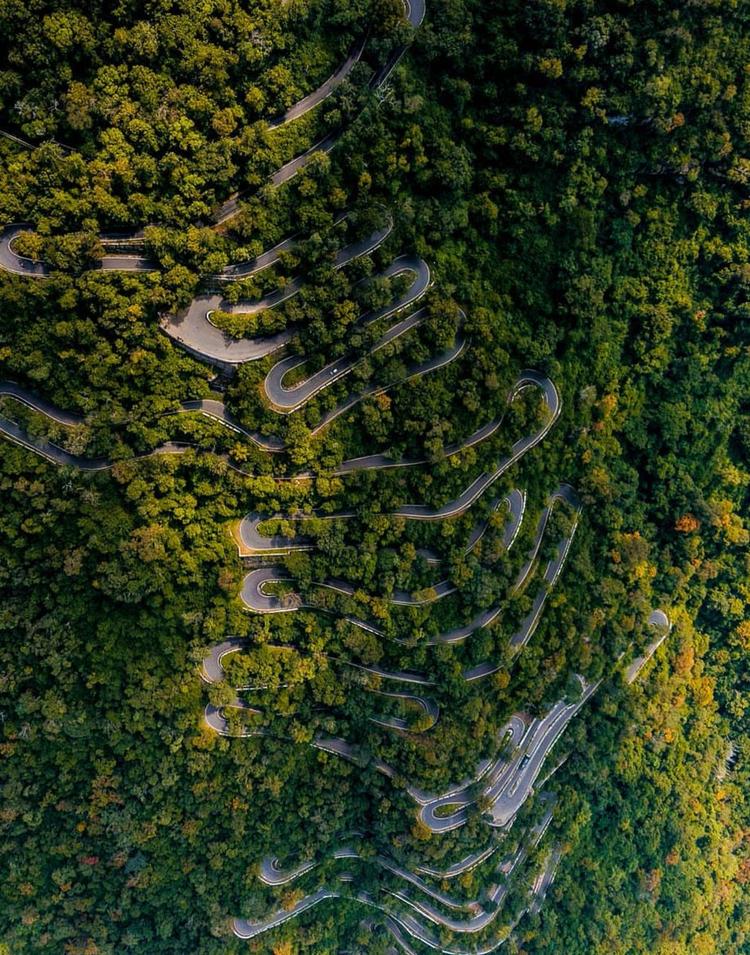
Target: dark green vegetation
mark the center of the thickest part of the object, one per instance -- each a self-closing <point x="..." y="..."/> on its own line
<point x="158" y="104"/>
<point x="576" y="176"/>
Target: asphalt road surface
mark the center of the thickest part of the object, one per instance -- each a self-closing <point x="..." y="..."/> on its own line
<point x="323" y="91"/>
<point x="255" y="542"/>
<point x="659" y="620"/>
<point x="508" y="798"/>
<point x="193" y="329"/>
<point x="288" y="399"/>
<point x="256" y="598"/>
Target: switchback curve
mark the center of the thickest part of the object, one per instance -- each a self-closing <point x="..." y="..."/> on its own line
<point x="253" y="542"/>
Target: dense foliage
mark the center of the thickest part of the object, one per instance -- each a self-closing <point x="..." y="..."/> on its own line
<point x="575" y="174"/>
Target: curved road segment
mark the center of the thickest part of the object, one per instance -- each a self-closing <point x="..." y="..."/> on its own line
<point x="255" y="595"/>
<point x="271" y="874"/>
<point x="506" y="784"/>
<point x="11" y="261"/>
<point x="660" y="622"/>
<point x="194" y="330"/>
<point x="491" y="773"/>
<point x="212" y="671"/>
<point x="323" y="91"/>
<point x="253" y="542"/>
<point x="426" y="704"/>
<point x="483" y="914"/>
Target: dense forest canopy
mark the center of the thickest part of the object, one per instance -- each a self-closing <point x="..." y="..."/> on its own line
<point x="574" y="174"/>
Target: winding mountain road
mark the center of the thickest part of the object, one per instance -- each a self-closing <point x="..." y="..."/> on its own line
<point x="509" y="793"/>
<point x="415" y="12"/>
<point x="213" y="408"/>
<point x="254" y="542"/>
<point x="288" y="399"/>
<point x="255" y="595"/>
<point x="11" y="261"/>
<point x="256" y="598"/>
<point x="506" y="783"/>
<point x="484" y="913"/>
<point x="212" y="671"/>
<point x="497" y="774"/>
<point x="194" y="330"/>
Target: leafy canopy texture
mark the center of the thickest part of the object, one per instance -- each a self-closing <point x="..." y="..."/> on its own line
<point x="574" y="174"/>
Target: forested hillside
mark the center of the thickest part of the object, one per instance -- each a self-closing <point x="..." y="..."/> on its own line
<point x="558" y="186"/>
